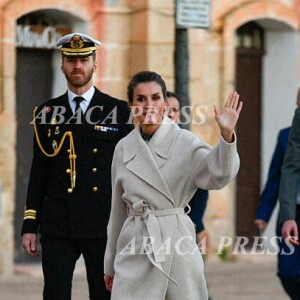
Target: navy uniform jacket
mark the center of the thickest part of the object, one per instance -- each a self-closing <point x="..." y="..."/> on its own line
<point x="288" y="265"/>
<point x="270" y="193"/>
<point x="51" y="208"/>
<point x="289" y="184"/>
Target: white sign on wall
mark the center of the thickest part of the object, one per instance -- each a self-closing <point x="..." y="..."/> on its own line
<point x="30" y="36"/>
<point x="193" y="13"/>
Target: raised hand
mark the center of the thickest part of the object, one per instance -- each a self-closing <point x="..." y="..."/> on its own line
<point x="229" y="115"/>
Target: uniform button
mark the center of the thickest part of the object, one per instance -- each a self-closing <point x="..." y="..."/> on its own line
<point x="68" y="150"/>
<point x="70" y="190"/>
<point x="94" y="170"/>
<point x="95" y="150"/>
<point x="68" y="171"/>
<point x="95" y="189"/>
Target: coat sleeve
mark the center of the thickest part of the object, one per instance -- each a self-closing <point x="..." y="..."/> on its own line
<point x="37" y="188"/>
<point x="290" y="173"/>
<point x="117" y="217"/>
<point x="270" y="193"/>
<point x="213" y="168"/>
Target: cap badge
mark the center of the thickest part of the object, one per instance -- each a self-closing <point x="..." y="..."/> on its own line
<point x="76" y="42"/>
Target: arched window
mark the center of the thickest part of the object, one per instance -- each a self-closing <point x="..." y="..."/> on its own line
<point x="250" y="36"/>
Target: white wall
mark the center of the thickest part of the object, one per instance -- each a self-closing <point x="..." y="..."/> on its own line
<point x="279" y="96"/>
<point x="59" y="85"/>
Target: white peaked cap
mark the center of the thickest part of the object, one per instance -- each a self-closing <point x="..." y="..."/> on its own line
<point x="67" y="38"/>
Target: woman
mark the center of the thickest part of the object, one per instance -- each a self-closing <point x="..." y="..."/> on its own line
<point x="151" y="251"/>
<point x="199" y="200"/>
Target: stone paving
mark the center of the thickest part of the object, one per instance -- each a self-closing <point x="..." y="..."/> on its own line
<point x="246" y="278"/>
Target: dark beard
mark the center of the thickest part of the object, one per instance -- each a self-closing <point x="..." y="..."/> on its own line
<point x="81" y="83"/>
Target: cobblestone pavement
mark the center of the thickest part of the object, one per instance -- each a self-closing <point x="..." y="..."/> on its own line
<point x="246" y="278"/>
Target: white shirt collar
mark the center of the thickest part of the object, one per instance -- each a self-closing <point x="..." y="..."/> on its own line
<point x="88" y="95"/>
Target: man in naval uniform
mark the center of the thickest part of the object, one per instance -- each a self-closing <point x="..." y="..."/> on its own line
<point x="69" y="191"/>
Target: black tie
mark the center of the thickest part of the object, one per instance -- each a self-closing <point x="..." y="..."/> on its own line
<point x="78" y="100"/>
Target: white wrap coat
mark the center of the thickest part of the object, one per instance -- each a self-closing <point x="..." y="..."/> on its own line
<point x="151" y="249"/>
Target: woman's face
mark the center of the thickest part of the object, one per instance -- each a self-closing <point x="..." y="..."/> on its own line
<point x="148" y="103"/>
<point x="173" y="109"/>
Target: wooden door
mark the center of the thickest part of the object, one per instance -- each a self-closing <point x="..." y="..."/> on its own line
<point x="248" y="84"/>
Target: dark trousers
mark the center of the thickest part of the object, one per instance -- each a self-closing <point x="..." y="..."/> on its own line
<point x="59" y="257"/>
<point x="289" y="264"/>
<point x="291" y="287"/>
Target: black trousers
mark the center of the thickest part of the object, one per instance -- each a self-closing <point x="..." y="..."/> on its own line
<point x="59" y="257"/>
<point x="292" y="287"/>
<point x="289" y="265"/>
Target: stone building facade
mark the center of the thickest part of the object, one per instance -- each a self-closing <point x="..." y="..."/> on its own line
<point x="252" y="46"/>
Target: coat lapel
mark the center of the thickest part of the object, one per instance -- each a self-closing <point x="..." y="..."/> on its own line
<point x="145" y="160"/>
<point x="64" y="103"/>
<point x="163" y="140"/>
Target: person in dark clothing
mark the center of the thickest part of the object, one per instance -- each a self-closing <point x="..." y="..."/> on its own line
<point x="199" y="201"/>
<point x="69" y="191"/>
<point x="288" y="261"/>
<point x="198" y="205"/>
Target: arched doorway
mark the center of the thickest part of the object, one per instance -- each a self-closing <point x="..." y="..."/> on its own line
<point x="266" y="77"/>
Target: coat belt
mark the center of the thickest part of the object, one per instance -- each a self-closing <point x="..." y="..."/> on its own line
<point x="149" y="216"/>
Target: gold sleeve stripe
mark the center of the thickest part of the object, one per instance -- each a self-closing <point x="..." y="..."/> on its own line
<point x="30" y="211"/>
<point x="30" y="217"/>
<point x="30" y="214"/>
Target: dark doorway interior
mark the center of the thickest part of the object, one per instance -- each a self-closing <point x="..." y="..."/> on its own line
<point x="33" y="86"/>
<point x="249" y="55"/>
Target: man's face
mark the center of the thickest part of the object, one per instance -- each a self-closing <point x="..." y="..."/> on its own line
<point x="78" y="71"/>
<point x="173" y="109"/>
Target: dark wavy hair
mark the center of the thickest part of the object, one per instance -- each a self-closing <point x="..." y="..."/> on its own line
<point x="174" y="95"/>
<point x="142" y="77"/>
